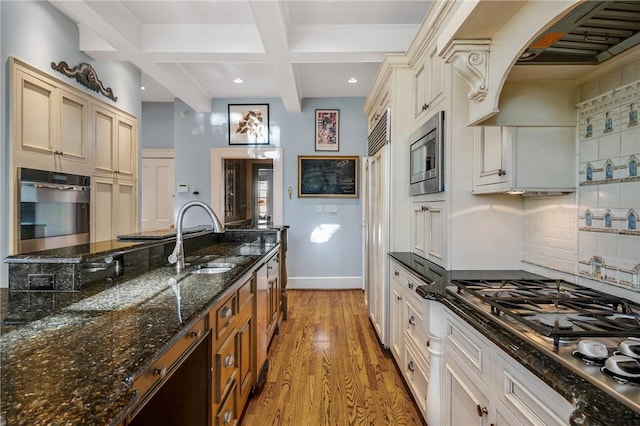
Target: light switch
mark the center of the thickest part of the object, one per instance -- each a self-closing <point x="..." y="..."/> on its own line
<point x="332" y="208"/>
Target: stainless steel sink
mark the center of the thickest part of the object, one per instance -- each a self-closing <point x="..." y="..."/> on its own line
<point x="213" y="268"/>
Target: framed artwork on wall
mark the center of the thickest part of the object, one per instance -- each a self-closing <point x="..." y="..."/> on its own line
<point x="327" y="125"/>
<point x="328" y="177"/>
<point x="248" y="124"/>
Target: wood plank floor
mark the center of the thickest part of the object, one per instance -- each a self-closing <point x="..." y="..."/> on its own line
<point x="328" y="368"/>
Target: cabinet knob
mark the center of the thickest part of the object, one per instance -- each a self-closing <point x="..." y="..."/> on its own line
<point x="196" y="334"/>
<point x="225" y="312"/>
<point x="502" y="172"/>
<point x="229" y="361"/>
<point x="160" y="372"/>
<point x="227" y="417"/>
<point x="396" y="273"/>
<point x="411" y="367"/>
<point x="410" y="285"/>
<point x="481" y="410"/>
<point x="428" y="343"/>
<point x="412" y="320"/>
<point x="424" y="107"/>
<point x="398" y="298"/>
<point x="425" y="208"/>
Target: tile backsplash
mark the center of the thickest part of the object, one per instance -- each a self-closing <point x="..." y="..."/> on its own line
<point x="594" y="234"/>
<point x="609" y="187"/>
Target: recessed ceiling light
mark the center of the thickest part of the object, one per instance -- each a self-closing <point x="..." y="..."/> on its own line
<point x="143" y="88"/>
<point x="237" y="80"/>
<point x="353" y="80"/>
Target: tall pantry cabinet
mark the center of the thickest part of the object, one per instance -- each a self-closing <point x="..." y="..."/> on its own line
<point x="56" y="127"/>
<point x="386" y="184"/>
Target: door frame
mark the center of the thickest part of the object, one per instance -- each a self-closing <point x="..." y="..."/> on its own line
<point x="218" y="155"/>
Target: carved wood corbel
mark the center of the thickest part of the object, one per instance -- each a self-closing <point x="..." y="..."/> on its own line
<point x="86" y="76"/>
<point x="470" y="59"/>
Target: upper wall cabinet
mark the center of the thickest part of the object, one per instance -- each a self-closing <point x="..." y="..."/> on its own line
<point x="49" y="125"/>
<point x="381" y="103"/>
<point x="428" y="83"/>
<point x="524" y="160"/>
<point x="115" y="143"/>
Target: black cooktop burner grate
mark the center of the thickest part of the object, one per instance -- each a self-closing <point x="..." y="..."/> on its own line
<point x="555" y="308"/>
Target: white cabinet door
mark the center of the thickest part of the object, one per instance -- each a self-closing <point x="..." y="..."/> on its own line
<point x="464" y="403"/>
<point x="492" y="155"/>
<point x="428" y="231"/>
<point x="428" y="83"/>
<point x="157" y="180"/>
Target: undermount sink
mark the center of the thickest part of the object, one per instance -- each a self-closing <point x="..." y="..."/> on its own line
<point x="213" y="268"/>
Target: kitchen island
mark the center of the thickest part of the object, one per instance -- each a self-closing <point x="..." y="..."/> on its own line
<point x="591" y="405"/>
<point x="72" y="357"/>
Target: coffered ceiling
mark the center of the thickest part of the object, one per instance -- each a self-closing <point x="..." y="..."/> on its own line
<point x="288" y="49"/>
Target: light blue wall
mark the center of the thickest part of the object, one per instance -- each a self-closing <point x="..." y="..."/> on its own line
<point x="37" y="33"/>
<point x="156" y="125"/>
<point x="341" y="256"/>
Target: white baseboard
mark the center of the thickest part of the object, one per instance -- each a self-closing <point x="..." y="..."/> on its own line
<point x="324" y="283"/>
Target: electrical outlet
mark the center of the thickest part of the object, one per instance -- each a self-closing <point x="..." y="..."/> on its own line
<point x="319" y="208"/>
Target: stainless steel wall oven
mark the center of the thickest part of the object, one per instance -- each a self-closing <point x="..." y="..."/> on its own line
<point x="54" y="210"/>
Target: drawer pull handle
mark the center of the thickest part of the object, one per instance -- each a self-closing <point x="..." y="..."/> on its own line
<point x="425" y="208"/>
<point x="226" y="312"/>
<point x="160" y="372"/>
<point x="428" y="343"/>
<point x="398" y="298"/>
<point x="229" y="360"/>
<point x="227" y="417"/>
<point x="196" y="334"/>
<point x="412" y="320"/>
<point x="481" y="410"/>
<point x="411" y="367"/>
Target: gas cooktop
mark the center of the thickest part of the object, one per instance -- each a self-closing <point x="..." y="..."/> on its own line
<point x="593" y="333"/>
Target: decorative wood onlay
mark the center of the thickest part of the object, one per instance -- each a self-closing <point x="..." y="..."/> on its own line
<point x="470" y="58"/>
<point x="86" y="76"/>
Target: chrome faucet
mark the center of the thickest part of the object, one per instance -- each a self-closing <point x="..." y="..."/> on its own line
<point x="177" y="256"/>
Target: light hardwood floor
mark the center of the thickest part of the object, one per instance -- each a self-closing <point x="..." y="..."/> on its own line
<point x="328" y="368"/>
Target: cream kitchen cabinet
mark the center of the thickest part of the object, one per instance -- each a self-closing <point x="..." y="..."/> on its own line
<point x="50" y="124"/>
<point x="115" y="143"/>
<point x="483" y="385"/>
<point x="114" y="206"/>
<point x="409" y="332"/>
<point x="381" y="103"/>
<point x="528" y="160"/>
<point x="428" y="83"/>
<point x="428" y="223"/>
<point x="396" y="313"/>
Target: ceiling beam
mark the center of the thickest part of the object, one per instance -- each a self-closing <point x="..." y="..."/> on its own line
<point x="119" y="30"/>
<point x="272" y="26"/>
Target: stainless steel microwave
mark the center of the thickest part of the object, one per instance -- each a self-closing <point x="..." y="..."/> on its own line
<point x="426" y="157"/>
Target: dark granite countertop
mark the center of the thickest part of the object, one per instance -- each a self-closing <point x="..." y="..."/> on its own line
<point x="69" y="364"/>
<point x="598" y="407"/>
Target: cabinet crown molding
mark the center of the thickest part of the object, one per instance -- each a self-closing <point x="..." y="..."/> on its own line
<point x="470" y="59"/>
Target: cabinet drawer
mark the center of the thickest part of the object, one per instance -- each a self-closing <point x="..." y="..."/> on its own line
<point x="225" y="314"/>
<point x="529" y="399"/>
<point x="227" y="414"/>
<point x="472" y="351"/>
<point x="165" y="365"/>
<point x="416" y="372"/>
<point x="415" y="324"/>
<point x="226" y="366"/>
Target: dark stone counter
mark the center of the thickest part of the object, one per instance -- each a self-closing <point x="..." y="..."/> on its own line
<point x="67" y="357"/>
<point x="592" y="404"/>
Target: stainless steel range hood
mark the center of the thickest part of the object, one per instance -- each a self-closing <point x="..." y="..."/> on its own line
<point x="590" y="34"/>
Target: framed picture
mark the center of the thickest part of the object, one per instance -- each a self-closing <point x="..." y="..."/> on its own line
<point x="327" y="126"/>
<point x="329" y="177"/>
<point x="248" y="124"/>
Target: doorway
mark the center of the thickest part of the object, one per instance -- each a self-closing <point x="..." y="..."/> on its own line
<point x="270" y="161"/>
